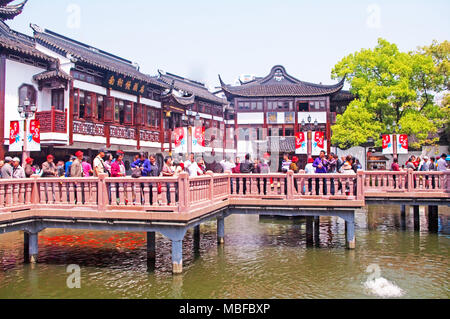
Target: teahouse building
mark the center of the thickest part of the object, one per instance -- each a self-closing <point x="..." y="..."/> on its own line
<point x="270" y="110"/>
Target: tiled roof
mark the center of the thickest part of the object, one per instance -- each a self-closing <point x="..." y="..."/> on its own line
<point x="91" y="55"/>
<point x="184" y="100"/>
<point x="20" y="43"/>
<point x="279" y="83"/>
<point x="343" y="96"/>
<point x="195" y="88"/>
<point x="52" y="74"/>
<point x="10" y="11"/>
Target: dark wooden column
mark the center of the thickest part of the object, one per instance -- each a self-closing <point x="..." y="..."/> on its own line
<point x="2" y="104"/>
<point x="106" y="125"/>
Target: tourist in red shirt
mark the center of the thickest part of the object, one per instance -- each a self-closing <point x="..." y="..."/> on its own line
<point x="395" y="167"/>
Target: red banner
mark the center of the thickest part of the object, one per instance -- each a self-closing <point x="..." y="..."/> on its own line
<point x="386" y="141"/>
<point x="35" y="131"/>
<point x="178" y="134"/>
<point x="403" y="139"/>
<point x="319" y="138"/>
<point x="14" y="128"/>
<point x="199" y="135"/>
<point x="299" y="139"/>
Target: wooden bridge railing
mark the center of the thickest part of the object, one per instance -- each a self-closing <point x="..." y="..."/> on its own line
<point x="183" y="194"/>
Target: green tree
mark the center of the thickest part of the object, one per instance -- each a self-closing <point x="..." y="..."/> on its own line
<point x="393" y="89"/>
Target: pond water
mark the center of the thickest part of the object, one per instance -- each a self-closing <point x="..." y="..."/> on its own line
<point x="262" y="258"/>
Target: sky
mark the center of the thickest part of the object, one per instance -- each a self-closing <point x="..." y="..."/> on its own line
<point x="201" y="39"/>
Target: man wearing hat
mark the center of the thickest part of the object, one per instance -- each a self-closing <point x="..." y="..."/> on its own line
<point x="76" y="170"/>
<point x="99" y="164"/>
<point x="49" y="167"/>
<point x="18" y="171"/>
<point x="7" y="169"/>
<point x="29" y="167"/>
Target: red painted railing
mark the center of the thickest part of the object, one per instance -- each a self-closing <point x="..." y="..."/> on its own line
<point x="52" y="121"/>
<point x="183" y="194"/>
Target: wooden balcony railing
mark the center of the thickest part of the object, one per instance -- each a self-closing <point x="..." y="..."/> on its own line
<point x="53" y="121"/>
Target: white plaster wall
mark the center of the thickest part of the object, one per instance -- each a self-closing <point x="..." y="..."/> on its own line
<point x="65" y="64"/>
<point x="123" y="96"/>
<point x="320" y="116"/>
<point x="250" y="118"/>
<point x="89" y="87"/>
<point x="16" y="75"/>
<point x="45" y="98"/>
<point x="89" y="139"/>
<point x="122" y="141"/>
<point x="205" y="116"/>
<point x="149" y="102"/>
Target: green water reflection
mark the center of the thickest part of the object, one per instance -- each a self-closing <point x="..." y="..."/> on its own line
<point x="265" y="258"/>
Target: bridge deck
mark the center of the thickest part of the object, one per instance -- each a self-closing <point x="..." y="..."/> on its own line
<point x="173" y="205"/>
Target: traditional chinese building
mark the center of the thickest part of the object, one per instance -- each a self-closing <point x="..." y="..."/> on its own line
<point x="270" y="110"/>
<point x="200" y="108"/>
<point x="109" y="102"/>
<point x="25" y="73"/>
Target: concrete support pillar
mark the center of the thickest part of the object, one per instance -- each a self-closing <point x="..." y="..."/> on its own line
<point x="350" y="233"/>
<point x="433" y="223"/>
<point x="26" y="247"/>
<point x="177" y="256"/>
<point x="221" y="230"/>
<point x="317" y="231"/>
<point x="197" y="238"/>
<point x="309" y="231"/>
<point x="403" y="217"/>
<point x="33" y="247"/>
<point x="151" y="251"/>
<point x="416" y="217"/>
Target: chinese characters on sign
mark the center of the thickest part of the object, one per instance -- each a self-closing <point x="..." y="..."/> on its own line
<point x="125" y="84"/>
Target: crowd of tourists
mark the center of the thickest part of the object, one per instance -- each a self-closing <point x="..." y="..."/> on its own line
<point x="423" y="164"/>
<point x="145" y="165"/>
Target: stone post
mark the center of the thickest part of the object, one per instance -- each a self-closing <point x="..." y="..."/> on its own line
<point x="33" y="247"/>
<point x="102" y="190"/>
<point x="416" y="217"/>
<point x="221" y="230"/>
<point x="403" y="217"/>
<point x="196" y="238"/>
<point x="317" y="231"/>
<point x="360" y="186"/>
<point x="433" y="222"/>
<point x="177" y="256"/>
<point x="350" y="234"/>
<point x="151" y="251"/>
<point x="309" y="231"/>
<point x="35" y="200"/>
<point x="211" y="185"/>
<point x="183" y="190"/>
<point x="290" y="185"/>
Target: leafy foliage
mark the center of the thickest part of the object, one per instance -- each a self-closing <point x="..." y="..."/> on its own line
<point x="394" y="90"/>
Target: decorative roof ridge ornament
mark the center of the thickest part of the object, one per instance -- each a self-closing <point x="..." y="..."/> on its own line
<point x="9" y="12"/>
<point x="36" y="28"/>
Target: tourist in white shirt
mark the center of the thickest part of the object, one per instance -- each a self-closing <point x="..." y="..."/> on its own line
<point x="442" y="164"/>
<point x="227" y="165"/>
<point x="194" y="170"/>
